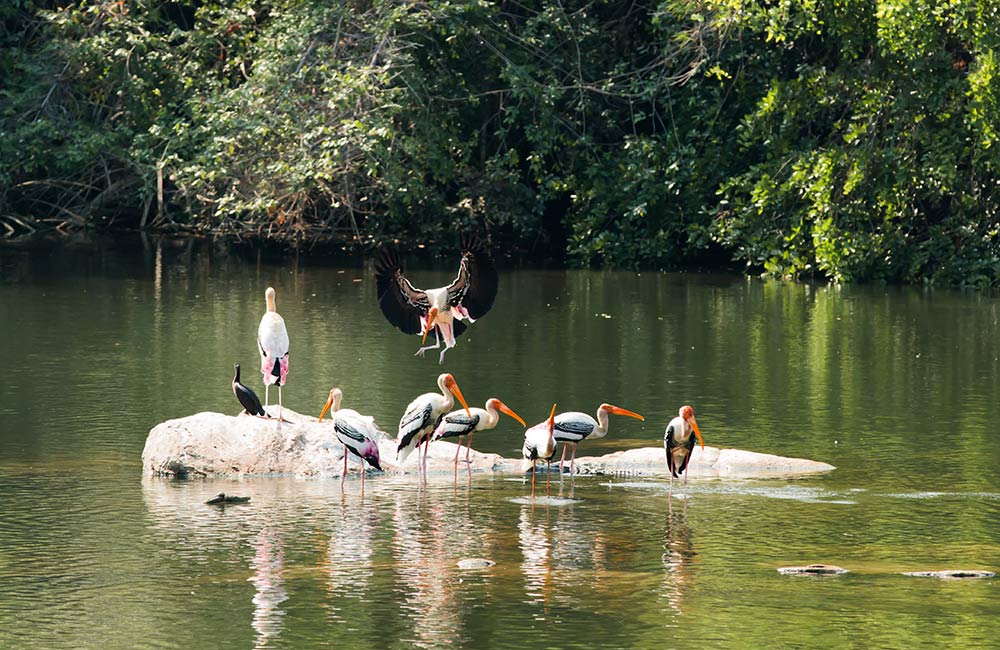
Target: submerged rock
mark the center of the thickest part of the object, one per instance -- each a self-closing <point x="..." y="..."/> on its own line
<point x="812" y="570"/>
<point x="475" y="563"/>
<point x="951" y="574"/>
<point x="215" y="444"/>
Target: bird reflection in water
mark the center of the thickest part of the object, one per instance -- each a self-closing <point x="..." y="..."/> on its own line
<point x="678" y="559"/>
<point x="536" y="563"/>
<point x="349" y="565"/>
<point x="423" y="546"/>
<point x="268" y="566"/>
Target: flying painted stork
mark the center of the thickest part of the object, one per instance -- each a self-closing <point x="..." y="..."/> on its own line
<point x="423" y="414"/>
<point x="540" y="444"/>
<point x="248" y="399"/>
<point x="572" y="427"/>
<point x="418" y="311"/>
<point x="358" y="433"/>
<point x="461" y="423"/>
<point x="272" y="341"/>
<point x="679" y="443"/>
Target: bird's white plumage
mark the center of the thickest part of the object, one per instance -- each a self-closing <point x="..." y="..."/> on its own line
<point x="420" y="418"/>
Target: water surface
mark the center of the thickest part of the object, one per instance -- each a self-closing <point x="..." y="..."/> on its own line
<point x="898" y="388"/>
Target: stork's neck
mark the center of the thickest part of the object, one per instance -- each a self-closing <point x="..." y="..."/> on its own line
<point x="269" y="298"/>
<point x="449" y="399"/>
<point x="337" y="396"/>
<point x="602" y="423"/>
<point x="492" y="415"/>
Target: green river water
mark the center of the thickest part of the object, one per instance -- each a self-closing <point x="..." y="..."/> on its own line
<point x="899" y="388"/>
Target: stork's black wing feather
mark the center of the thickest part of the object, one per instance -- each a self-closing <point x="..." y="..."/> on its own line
<point x="402" y="304"/>
<point x="475" y="286"/>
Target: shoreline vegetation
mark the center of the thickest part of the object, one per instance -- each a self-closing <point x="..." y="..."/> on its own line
<point x="843" y="140"/>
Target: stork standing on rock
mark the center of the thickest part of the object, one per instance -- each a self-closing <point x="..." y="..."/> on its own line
<point x="572" y="427"/>
<point x="247" y="398"/>
<point x="418" y="311"/>
<point x="461" y="423"/>
<point x="679" y="443"/>
<point x="358" y="433"/>
<point x="540" y="444"/>
<point x="272" y="341"/>
<point x="422" y="416"/>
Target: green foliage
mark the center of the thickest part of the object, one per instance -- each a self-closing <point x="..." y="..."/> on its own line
<point x="847" y="139"/>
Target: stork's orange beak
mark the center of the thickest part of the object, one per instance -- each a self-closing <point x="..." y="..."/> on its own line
<point x="431" y="315"/>
<point x="326" y="407"/>
<point x="453" y="387"/>
<point x="506" y="409"/>
<point x="615" y="410"/>
<point x="552" y="420"/>
<point x="694" y="425"/>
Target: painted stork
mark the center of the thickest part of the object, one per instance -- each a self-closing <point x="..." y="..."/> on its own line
<point x="423" y="414"/>
<point x="272" y="341"/>
<point x="418" y="311"/>
<point x="358" y="433"/>
<point x="540" y="444"/>
<point x="248" y="399"/>
<point x="460" y="423"/>
<point x="572" y="427"/>
<point x="679" y="443"/>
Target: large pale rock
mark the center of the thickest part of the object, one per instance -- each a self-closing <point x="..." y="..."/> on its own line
<point x="214" y="444"/>
<point x="707" y="462"/>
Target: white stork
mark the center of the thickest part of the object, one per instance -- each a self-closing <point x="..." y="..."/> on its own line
<point x="539" y="444"/>
<point x="679" y="443"/>
<point x="272" y="341"/>
<point x="461" y="423"/>
<point x="573" y="426"/>
<point x="358" y="433"/>
<point x="423" y="415"/>
<point x="417" y="311"/>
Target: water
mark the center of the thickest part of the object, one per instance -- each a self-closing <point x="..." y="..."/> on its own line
<point x="898" y="388"/>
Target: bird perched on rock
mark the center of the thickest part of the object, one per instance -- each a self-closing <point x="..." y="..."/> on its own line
<point x="248" y="399"/>
<point x="461" y="423"/>
<point x="418" y="311"/>
<point x="272" y="341"/>
<point x="358" y="433"/>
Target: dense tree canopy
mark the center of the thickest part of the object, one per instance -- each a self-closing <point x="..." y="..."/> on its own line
<point x="846" y="139"/>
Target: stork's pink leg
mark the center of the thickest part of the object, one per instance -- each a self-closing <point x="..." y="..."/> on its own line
<point x="533" y="480"/>
<point x="548" y="476"/>
<point x="562" y="458"/>
<point x="363" y="477"/>
<point x="458" y="449"/>
<point x="572" y="458"/>
<point x="344" y="474"/>
<point x="468" y="447"/>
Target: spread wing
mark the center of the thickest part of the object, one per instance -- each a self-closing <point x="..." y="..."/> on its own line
<point x="402" y="304"/>
<point x="475" y="286"/>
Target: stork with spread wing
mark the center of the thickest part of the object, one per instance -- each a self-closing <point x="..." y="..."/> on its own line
<point x="418" y="311"/>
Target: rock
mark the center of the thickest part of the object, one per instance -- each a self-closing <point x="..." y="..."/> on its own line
<point x="214" y="444"/>
<point x="812" y="570"/>
<point x="223" y="498"/>
<point x="951" y="574"/>
<point x="707" y="462"/>
<point x="475" y="563"/>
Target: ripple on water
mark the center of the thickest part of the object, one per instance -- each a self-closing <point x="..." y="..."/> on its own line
<point x="789" y="492"/>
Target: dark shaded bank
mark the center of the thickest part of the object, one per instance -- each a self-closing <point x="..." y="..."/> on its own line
<point x="847" y="140"/>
